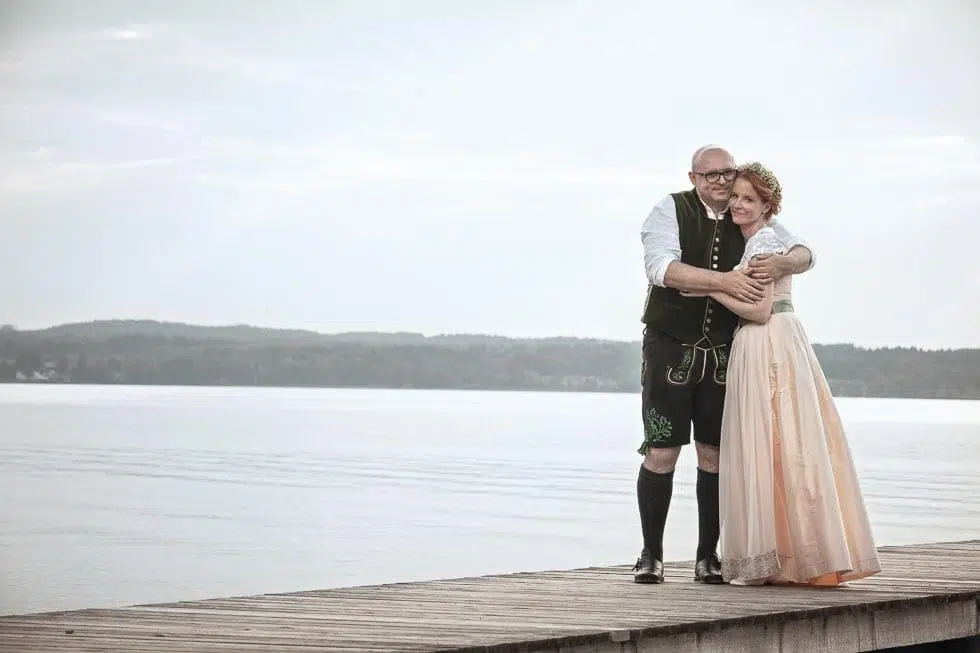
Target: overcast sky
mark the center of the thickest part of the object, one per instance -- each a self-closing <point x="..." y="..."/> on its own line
<point x="476" y="166"/>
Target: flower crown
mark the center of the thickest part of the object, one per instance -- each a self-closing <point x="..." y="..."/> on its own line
<point x="768" y="178"/>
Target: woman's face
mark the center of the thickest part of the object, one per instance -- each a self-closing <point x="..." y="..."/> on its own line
<point x="746" y="205"/>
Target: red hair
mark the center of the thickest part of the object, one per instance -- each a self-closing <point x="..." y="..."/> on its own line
<point x="765" y="185"/>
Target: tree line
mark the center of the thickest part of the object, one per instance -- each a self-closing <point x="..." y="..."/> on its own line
<point x="159" y="353"/>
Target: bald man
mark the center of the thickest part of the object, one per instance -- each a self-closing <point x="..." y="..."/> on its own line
<point x="691" y="244"/>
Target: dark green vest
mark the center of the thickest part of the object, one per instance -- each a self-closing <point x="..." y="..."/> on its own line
<point x="705" y="243"/>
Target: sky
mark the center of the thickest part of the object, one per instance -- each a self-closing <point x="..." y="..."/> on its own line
<point x="477" y="167"/>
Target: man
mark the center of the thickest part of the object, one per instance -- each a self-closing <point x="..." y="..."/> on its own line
<point x="691" y="244"/>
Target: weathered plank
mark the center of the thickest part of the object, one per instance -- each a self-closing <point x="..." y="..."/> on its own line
<point x="926" y="592"/>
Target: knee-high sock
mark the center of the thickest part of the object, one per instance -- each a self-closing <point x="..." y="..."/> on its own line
<point x="708" y="520"/>
<point x="653" y="493"/>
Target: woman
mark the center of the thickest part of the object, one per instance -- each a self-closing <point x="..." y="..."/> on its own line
<point x="790" y="504"/>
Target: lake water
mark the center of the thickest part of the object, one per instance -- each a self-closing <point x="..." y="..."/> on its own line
<point x="120" y="495"/>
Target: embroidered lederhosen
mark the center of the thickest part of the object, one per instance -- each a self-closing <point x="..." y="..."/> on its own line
<point x="682" y="383"/>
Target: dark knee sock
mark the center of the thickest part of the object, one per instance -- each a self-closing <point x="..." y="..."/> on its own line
<point x="653" y="496"/>
<point x="708" y="521"/>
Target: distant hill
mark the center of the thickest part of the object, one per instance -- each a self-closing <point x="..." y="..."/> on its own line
<point x="167" y="353"/>
<point x="105" y="329"/>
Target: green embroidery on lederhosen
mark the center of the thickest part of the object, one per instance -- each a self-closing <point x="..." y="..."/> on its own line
<point x="681" y="374"/>
<point x="656" y="428"/>
<point x="721" y="364"/>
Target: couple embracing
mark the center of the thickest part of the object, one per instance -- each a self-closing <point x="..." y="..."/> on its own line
<point x="722" y="350"/>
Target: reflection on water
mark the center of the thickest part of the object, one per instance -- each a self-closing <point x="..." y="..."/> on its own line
<point x="118" y="495"/>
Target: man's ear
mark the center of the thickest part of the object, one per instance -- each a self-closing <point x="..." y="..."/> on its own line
<point x="692" y="178"/>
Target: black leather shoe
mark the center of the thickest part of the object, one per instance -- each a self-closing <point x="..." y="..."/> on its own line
<point x="708" y="570"/>
<point x="648" y="569"/>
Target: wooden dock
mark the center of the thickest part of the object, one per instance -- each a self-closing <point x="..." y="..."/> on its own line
<point x="926" y="593"/>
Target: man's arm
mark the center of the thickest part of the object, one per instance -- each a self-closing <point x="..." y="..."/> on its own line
<point x="661" y="240"/>
<point x="776" y="266"/>
<point x="799" y="258"/>
<point x="692" y="279"/>
<point x="662" y="253"/>
<point x="752" y="311"/>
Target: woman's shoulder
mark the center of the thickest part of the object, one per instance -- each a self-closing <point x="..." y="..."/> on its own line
<point x="764" y="234"/>
<point x="765" y="240"/>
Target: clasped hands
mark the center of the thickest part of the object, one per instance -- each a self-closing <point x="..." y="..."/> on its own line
<point x="749" y="283"/>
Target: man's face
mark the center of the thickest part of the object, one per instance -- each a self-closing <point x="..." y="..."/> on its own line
<point x="713" y="177"/>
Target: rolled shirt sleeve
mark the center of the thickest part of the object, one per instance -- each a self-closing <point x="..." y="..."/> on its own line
<point x="661" y="240"/>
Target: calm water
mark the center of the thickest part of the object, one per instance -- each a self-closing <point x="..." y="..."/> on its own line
<point x="120" y="495"/>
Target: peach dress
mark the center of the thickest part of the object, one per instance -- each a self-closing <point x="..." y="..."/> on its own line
<point x="791" y="506"/>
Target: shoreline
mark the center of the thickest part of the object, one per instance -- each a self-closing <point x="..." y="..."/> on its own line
<point x="422" y="388"/>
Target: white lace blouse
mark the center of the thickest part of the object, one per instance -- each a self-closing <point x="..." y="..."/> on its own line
<point x="764" y="241"/>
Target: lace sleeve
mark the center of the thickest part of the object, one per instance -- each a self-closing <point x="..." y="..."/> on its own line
<point x="765" y="241"/>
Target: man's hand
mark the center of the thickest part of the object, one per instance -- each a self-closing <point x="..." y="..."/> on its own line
<point x="741" y="286"/>
<point x="770" y="267"/>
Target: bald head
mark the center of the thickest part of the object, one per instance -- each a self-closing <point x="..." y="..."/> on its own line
<point x="712" y="151"/>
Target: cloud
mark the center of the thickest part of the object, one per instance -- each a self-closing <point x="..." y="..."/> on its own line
<point x="128" y="33"/>
<point x="953" y="198"/>
<point x="332" y="175"/>
<point x="39" y="171"/>
<point x="42" y="153"/>
<point x="304" y="168"/>
<point x="206" y="55"/>
<point x="308" y="170"/>
<point x="939" y="162"/>
<point x="943" y="158"/>
<point x="134" y="118"/>
<point x="12" y="67"/>
<point x="65" y="54"/>
<point x="513" y="172"/>
<point x="925" y="142"/>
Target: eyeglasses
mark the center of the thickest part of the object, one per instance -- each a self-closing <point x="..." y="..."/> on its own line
<point x="715" y="175"/>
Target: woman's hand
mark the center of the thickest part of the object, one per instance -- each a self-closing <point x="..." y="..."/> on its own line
<point x="739" y="285"/>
